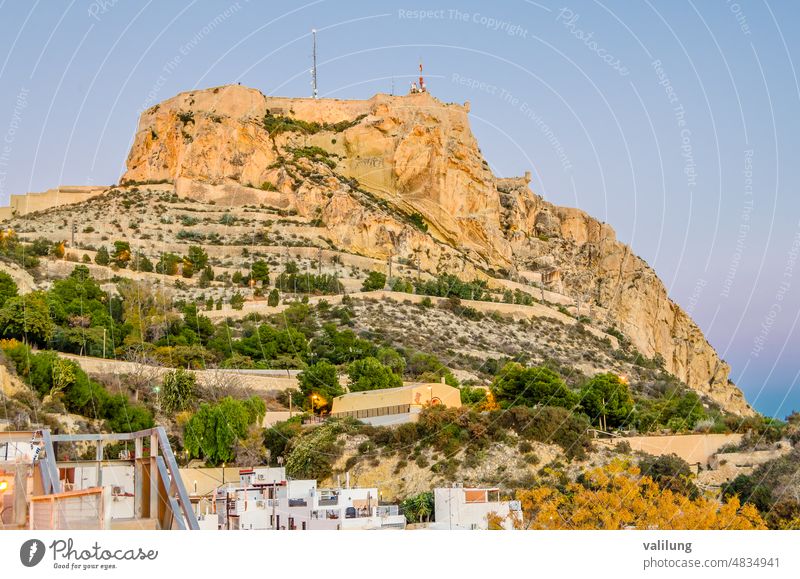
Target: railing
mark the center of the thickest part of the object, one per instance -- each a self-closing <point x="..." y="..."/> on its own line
<point x="70" y="510"/>
<point x="159" y="469"/>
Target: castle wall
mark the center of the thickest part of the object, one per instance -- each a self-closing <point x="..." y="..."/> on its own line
<point x="32" y="202"/>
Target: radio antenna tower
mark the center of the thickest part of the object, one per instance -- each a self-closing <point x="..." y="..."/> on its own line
<point x="314" y="58"/>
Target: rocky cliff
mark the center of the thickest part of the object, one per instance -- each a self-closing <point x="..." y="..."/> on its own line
<point x="403" y="176"/>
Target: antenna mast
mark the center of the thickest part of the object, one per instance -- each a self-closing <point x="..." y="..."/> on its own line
<point x="314" y="67"/>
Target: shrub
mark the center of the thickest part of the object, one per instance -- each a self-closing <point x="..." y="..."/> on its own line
<point x="178" y="390"/>
<point x="102" y="257"/>
<point x="274" y="298"/>
<point x="375" y="281"/>
<point x="670" y="472"/>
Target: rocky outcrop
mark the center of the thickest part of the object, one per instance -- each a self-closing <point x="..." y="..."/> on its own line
<point x="403" y="176"/>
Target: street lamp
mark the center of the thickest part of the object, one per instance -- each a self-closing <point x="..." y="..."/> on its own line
<point x="430" y="393"/>
<point x="314" y="398"/>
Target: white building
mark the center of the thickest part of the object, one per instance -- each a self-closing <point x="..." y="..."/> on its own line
<point x="265" y="498"/>
<point x="459" y="507"/>
<point x="118" y="475"/>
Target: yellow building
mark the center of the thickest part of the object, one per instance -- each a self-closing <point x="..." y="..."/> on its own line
<point x="394" y="405"/>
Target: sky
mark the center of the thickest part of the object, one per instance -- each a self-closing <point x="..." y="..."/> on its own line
<point x="674" y="121"/>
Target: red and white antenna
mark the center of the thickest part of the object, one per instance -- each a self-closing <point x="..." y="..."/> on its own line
<point x="421" y="80"/>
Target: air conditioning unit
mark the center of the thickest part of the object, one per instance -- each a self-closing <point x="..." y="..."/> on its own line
<point x="261" y="504"/>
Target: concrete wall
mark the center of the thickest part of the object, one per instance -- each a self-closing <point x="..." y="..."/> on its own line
<point x="208" y="479"/>
<point x="692" y="448"/>
<point x="752" y="458"/>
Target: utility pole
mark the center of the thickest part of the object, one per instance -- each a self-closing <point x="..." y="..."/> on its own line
<point x="314" y="58"/>
<point x="390" y="267"/>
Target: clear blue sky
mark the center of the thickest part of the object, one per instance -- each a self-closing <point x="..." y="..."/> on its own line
<point x="675" y="121"/>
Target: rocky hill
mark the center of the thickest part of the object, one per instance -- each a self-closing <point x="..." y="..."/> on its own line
<point x="402" y="178"/>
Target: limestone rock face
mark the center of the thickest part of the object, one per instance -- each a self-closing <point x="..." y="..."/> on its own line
<point x="403" y="176"/>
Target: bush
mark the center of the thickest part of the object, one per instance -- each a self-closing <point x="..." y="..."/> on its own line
<point x="8" y="288"/>
<point x="670" y="472"/>
<point x="750" y="490"/>
<point x="550" y="425"/>
<point x="178" y="390"/>
<point x="313" y="455"/>
<point x="237" y="301"/>
<point x="279" y="436"/>
<point x="375" y="281"/>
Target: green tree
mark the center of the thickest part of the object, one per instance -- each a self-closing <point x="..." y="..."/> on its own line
<point x="237" y="301"/>
<point x="8" y="288"/>
<point x="102" y="257"/>
<point x="197" y="257"/>
<point x="260" y="271"/>
<point x="214" y="430"/>
<point x="369" y="374"/>
<point x="122" y="253"/>
<point x="391" y="358"/>
<point x="375" y="281"/>
<point x="178" y="390"/>
<point x="41" y="246"/>
<point x="419" y="508"/>
<point x="274" y="298"/>
<point x="428" y="368"/>
<point x="206" y="276"/>
<point x="27" y="318"/>
<point x="471" y="396"/>
<point x="168" y="264"/>
<point x="143" y="263"/>
<point x="607" y="400"/>
<point x="518" y="385"/>
<point x="320" y="379"/>
<point x="187" y="270"/>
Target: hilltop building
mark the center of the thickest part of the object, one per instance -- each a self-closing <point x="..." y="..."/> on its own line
<point x="390" y="406"/>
